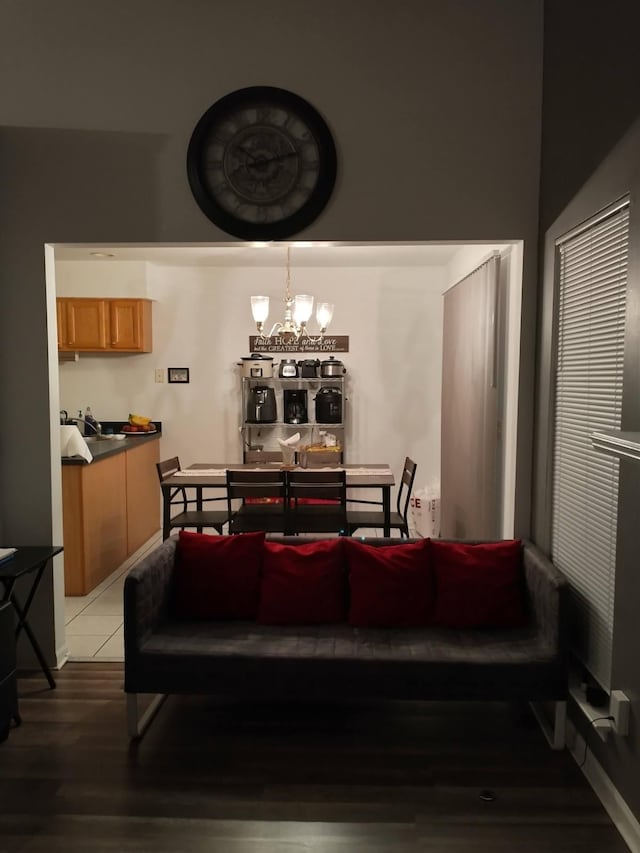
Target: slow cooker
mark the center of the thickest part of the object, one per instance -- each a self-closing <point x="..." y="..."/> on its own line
<point x="332" y="367"/>
<point x="257" y="366"/>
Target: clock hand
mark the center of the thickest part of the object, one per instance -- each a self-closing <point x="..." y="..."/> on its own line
<point x="259" y="161"/>
<point x="248" y="153"/>
<point x="278" y="157"/>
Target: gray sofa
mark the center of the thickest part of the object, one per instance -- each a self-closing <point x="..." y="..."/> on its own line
<point x="164" y="655"/>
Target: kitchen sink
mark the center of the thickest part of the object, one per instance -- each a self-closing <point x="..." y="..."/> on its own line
<point x="92" y="439"/>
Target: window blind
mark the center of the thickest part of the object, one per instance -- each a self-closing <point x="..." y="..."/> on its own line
<point x="592" y="286"/>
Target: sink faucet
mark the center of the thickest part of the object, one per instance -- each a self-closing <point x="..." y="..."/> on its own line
<point x="97" y="428"/>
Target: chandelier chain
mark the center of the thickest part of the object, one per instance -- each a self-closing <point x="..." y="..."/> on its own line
<point x="288" y="295"/>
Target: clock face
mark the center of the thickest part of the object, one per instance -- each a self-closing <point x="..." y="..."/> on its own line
<point x="261" y="163"/>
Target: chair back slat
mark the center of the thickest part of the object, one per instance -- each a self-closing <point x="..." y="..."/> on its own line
<point x="406" y="486"/>
<point x="168" y="467"/>
<point x="323" y="485"/>
<point x="256" y="484"/>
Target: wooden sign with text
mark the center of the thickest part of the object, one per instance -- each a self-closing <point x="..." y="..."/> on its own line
<point x="331" y="343"/>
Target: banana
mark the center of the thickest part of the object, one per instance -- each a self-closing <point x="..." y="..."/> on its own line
<point x="139" y="420"/>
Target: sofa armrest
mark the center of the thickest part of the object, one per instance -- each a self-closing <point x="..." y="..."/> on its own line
<point x="547" y="590"/>
<point x="147" y="595"/>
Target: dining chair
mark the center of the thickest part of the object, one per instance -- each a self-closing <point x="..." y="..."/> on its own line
<point x="317" y="501"/>
<point x="262" y="494"/>
<point x="375" y="518"/>
<point x="178" y="498"/>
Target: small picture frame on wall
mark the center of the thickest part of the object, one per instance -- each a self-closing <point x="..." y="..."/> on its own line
<point x="178" y="374"/>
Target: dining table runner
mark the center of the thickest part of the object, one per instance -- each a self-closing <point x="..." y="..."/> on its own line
<point x="207" y="472"/>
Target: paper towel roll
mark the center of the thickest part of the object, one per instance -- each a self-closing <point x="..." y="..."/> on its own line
<point x="72" y="443"/>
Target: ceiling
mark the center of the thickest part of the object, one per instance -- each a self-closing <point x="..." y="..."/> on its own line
<point x="318" y="254"/>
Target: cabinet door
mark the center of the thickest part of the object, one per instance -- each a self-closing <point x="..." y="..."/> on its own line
<point x="86" y="324"/>
<point x="94" y="520"/>
<point x="130" y="325"/>
<point x="143" y="493"/>
<point x="61" y="319"/>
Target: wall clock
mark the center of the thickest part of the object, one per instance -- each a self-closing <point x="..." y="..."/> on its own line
<point x="261" y="163"/>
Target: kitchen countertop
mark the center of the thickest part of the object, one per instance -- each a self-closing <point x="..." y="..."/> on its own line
<point x="109" y="447"/>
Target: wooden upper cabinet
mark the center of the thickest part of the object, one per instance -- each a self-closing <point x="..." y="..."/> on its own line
<point x="104" y="325"/>
<point x="61" y="318"/>
<point x="130" y="324"/>
<point x="86" y="321"/>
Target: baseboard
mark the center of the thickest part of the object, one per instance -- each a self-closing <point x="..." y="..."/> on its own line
<point x="623" y="818"/>
<point x="62" y="656"/>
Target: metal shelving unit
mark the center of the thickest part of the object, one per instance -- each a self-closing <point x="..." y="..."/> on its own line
<point x="265" y="435"/>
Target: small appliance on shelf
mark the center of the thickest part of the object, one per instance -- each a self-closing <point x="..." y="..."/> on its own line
<point x="328" y="405"/>
<point x="295" y="406"/>
<point x="261" y="405"/>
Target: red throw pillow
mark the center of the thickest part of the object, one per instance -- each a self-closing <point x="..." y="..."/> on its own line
<point x="218" y="577"/>
<point x="303" y="584"/>
<point x="478" y="586"/>
<point x="391" y="585"/>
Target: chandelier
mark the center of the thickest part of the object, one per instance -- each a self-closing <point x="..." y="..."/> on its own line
<point x="297" y="312"/>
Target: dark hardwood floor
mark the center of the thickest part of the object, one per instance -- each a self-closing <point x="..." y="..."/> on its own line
<point x="225" y="777"/>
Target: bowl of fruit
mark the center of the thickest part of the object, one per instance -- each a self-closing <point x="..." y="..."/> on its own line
<point x="138" y="425"/>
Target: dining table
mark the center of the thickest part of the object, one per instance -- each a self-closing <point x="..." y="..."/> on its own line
<point x="202" y="476"/>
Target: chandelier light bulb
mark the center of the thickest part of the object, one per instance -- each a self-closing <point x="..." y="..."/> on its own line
<point x="303" y="308"/>
<point x="260" y="308"/>
<point x="324" y="314"/>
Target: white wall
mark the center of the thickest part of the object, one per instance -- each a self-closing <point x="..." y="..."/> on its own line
<point x="202" y="320"/>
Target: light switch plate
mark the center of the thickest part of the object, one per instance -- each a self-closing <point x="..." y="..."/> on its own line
<point x="159" y="374"/>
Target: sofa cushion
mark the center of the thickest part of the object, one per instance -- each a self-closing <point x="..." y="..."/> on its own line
<point x="391" y="585"/>
<point x="218" y="577"/>
<point x="303" y="584"/>
<point x="478" y="586"/>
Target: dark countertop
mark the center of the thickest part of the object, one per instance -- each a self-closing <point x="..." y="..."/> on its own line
<point x="109" y="447"/>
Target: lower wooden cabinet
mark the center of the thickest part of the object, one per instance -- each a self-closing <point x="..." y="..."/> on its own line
<point x="110" y="508"/>
<point x="143" y="494"/>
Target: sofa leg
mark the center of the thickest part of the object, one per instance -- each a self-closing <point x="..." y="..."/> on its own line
<point x="137" y="726"/>
<point x="555" y="731"/>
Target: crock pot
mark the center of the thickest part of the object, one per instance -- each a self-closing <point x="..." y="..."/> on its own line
<point x="257" y="366"/>
<point x="332" y="367"/>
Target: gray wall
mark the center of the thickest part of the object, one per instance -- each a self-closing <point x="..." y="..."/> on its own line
<point x="591" y="97"/>
<point x="617" y="176"/>
<point x="435" y="109"/>
<point x="590" y="92"/>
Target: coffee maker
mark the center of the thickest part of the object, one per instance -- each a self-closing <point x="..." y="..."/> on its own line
<point x="295" y="406"/>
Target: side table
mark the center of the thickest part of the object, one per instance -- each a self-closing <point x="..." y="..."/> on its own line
<point x="29" y="560"/>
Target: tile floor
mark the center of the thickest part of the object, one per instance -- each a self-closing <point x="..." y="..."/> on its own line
<point x="94" y="622"/>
